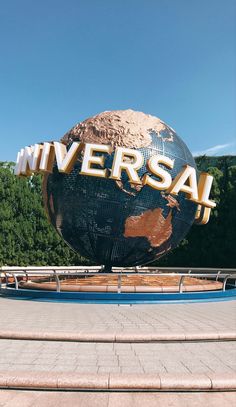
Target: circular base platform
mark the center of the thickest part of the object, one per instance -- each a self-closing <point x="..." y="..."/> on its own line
<point x="120" y="298"/>
<point x="125" y="286"/>
<point x="128" y="283"/>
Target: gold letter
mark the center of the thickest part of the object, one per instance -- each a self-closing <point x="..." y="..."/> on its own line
<point x="204" y="188"/>
<point x="19" y="161"/>
<point x="31" y="159"/>
<point x="128" y="160"/>
<point x="202" y="215"/>
<point x="47" y="158"/>
<point x="89" y="159"/>
<point x="66" y="159"/>
<point x="179" y="184"/>
<point x="154" y="168"/>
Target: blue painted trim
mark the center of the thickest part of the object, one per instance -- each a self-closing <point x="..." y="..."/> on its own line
<point x="122" y="298"/>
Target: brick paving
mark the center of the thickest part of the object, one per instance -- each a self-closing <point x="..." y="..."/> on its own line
<point x="163" y="358"/>
<point x="205" y="357"/>
<point x="39" y="316"/>
<point x="93" y="357"/>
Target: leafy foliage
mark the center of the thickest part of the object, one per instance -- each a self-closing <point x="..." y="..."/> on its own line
<point x="27" y="238"/>
<point x="214" y="244"/>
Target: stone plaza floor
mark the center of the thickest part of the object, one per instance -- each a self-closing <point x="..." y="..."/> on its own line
<point x="139" y="347"/>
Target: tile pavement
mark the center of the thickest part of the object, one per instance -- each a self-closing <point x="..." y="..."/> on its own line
<point x="39" y="316"/>
<point x="190" y="357"/>
<point x="158" y="358"/>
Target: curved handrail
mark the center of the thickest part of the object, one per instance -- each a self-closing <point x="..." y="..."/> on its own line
<point x="57" y="272"/>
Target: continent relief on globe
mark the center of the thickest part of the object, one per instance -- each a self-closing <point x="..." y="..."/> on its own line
<point x="119" y="128"/>
<point x="152" y="224"/>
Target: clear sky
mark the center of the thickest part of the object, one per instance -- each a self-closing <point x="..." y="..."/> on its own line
<point x="63" y="61"/>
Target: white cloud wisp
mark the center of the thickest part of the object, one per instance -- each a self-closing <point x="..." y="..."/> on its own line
<point x="220" y="149"/>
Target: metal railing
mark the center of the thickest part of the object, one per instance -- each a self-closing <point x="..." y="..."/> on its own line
<point x="19" y="273"/>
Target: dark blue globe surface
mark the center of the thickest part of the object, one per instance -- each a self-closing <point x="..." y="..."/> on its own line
<point x="113" y="223"/>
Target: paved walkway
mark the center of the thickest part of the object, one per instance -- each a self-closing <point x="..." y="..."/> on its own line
<point x="26" y="315"/>
<point x="108" y="363"/>
<point x="174" y="358"/>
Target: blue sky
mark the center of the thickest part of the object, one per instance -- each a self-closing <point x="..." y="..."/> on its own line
<point x="63" y="61"/>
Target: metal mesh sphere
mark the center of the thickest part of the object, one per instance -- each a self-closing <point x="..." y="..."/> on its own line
<point x="114" y="222"/>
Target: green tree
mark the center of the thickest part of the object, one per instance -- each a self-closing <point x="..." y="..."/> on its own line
<point x="211" y="245"/>
<point x="26" y="236"/>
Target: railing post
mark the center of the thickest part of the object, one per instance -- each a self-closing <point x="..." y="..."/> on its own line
<point x="16" y="281"/>
<point x="181" y="281"/>
<point x="26" y="275"/>
<point x="217" y="275"/>
<point x="119" y="284"/>
<point x="225" y="281"/>
<point x="57" y="281"/>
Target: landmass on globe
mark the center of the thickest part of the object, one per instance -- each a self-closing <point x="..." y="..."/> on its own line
<point x="150" y="224"/>
<point x="124" y="128"/>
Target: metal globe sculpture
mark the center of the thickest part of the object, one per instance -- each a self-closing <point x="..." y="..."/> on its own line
<point x="117" y="223"/>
